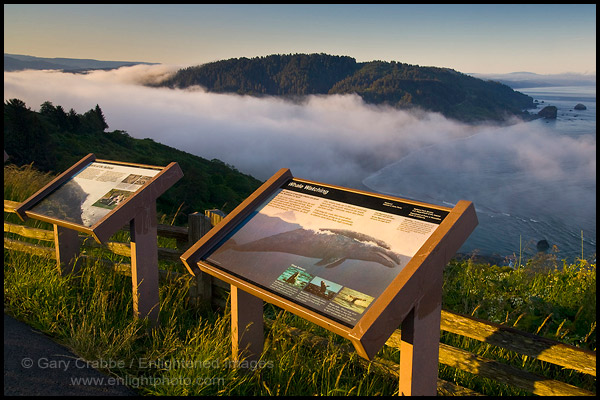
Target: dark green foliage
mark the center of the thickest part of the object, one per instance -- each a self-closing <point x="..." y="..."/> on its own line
<point x="26" y="136"/>
<point x="54" y="140"/>
<point x="442" y="90"/>
<point x="298" y="74"/>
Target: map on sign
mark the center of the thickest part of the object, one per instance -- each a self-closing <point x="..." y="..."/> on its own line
<point x="330" y="250"/>
<point x="94" y="192"/>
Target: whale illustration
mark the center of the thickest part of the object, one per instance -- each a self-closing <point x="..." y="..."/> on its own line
<point x="331" y="246"/>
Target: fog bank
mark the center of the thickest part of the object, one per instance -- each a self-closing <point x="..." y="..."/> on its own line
<point x="524" y="169"/>
<point x="337" y="139"/>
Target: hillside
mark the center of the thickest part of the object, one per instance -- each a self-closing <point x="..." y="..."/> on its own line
<point x="54" y="140"/>
<point x="18" y="62"/>
<point x="454" y="94"/>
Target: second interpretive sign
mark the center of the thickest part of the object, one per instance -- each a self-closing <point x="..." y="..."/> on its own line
<point x="94" y="192"/>
<point x="330" y="250"/>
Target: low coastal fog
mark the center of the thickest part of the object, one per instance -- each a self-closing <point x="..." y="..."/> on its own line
<point x="526" y="170"/>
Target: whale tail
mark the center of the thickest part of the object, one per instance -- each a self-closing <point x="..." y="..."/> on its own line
<point x="331" y="262"/>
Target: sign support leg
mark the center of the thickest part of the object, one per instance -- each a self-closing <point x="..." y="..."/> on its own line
<point x="247" y="326"/>
<point x="419" y="347"/>
<point x="66" y="243"/>
<point x="144" y="263"/>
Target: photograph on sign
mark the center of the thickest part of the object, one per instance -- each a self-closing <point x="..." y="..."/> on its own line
<point x="328" y="249"/>
<point x="94" y="192"/>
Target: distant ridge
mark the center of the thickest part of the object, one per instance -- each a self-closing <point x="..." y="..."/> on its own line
<point x="403" y="86"/>
<point x="517" y="80"/>
<point x="468" y="97"/>
<point x="19" y="62"/>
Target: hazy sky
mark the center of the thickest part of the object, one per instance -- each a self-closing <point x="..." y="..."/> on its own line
<point x="540" y="38"/>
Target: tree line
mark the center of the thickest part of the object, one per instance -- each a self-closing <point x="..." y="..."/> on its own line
<point x="54" y="139"/>
<point x="403" y="86"/>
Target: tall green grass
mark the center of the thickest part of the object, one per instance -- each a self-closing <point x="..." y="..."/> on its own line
<point x="556" y="300"/>
<point x="545" y="296"/>
<point x="188" y="354"/>
<point x="22" y="182"/>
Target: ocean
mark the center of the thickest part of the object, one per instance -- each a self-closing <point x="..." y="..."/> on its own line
<point x="533" y="187"/>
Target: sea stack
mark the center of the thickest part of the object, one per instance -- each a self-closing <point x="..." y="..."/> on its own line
<point x="548" y="112"/>
<point x="542" y="246"/>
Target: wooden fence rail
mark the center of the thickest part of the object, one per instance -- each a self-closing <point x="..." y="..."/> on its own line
<point x="204" y="287"/>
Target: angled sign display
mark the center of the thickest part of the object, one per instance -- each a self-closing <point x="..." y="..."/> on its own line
<point x="98" y="196"/>
<point x="335" y="256"/>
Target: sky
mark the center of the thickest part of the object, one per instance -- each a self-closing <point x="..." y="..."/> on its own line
<point x="504" y="38"/>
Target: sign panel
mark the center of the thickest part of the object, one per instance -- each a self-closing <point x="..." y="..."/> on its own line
<point x="94" y="192"/>
<point x="98" y="197"/>
<point x="327" y="249"/>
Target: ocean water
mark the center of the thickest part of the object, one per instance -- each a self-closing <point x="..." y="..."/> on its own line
<point x="529" y="182"/>
<point x="569" y="121"/>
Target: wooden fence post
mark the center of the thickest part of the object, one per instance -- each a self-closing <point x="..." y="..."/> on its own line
<point x="199" y="224"/>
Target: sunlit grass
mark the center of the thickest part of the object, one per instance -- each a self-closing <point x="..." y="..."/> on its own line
<point x="557" y="301"/>
<point x="22" y="182"/>
<point x="92" y="314"/>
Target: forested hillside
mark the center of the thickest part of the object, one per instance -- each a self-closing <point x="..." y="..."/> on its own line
<point x="400" y="85"/>
<point x="54" y="139"/>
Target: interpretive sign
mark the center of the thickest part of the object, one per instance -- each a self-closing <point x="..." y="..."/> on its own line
<point x="354" y="262"/>
<point x="85" y="196"/>
<point x="329" y="250"/>
<point x="99" y="197"/>
<point x="93" y="193"/>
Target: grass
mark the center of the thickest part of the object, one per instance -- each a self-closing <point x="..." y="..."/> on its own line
<point x="188" y="354"/>
<point x="92" y="315"/>
<point x="557" y="300"/>
<point x="545" y="296"/>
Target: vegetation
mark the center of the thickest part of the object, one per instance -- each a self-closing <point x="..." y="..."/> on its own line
<point x="54" y="139"/>
<point x="189" y="353"/>
<point x="545" y="296"/>
<point x="399" y="85"/>
<point x="192" y="347"/>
